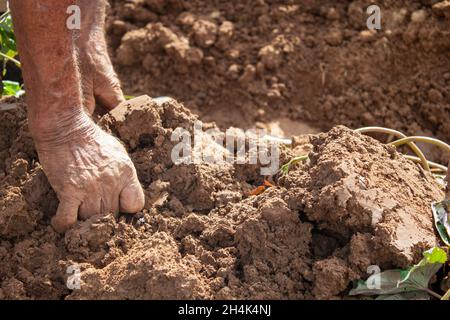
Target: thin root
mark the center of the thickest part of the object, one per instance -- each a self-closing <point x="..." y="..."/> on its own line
<point x="401" y="135"/>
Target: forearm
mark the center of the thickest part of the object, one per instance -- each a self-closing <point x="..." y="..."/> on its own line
<point x="53" y="93"/>
<point x="92" y="33"/>
<point x="92" y="19"/>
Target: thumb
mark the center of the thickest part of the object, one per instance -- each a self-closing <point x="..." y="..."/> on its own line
<point x="66" y="215"/>
<point x="132" y="199"/>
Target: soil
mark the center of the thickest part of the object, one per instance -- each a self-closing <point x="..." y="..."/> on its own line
<point x="201" y="234"/>
<point x="296" y="67"/>
<point x="241" y="63"/>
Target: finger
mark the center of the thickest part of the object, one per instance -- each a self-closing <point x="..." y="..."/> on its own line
<point x="110" y="202"/>
<point x="66" y="215"/>
<point x="108" y="91"/>
<point x="114" y="204"/>
<point x="90" y="207"/>
<point x="132" y="199"/>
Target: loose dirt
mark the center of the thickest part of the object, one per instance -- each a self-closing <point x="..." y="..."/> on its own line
<point x="240" y="63"/>
<point x="296" y="67"/>
<point x="355" y="203"/>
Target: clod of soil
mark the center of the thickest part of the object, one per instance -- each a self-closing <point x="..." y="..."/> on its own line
<point x="356" y="202"/>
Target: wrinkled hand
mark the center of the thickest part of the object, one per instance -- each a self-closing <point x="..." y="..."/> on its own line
<point x="90" y="171"/>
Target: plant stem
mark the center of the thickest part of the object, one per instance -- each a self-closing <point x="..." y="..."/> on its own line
<point x="17" y="62"/>
<point x="446" y="296"/>
<point x="285" y="168"/>
<point x="401" y="135"/>
<point x="429" y="140"/>
<point x="432" y="165"/>
<point x="434" y="294"/>
<point x="4" y="15"/>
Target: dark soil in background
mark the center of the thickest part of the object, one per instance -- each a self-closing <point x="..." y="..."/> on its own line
<point x="242" y="62"/>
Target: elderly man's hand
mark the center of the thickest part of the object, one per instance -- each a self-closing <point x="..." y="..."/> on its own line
<point x="89" y="170"/>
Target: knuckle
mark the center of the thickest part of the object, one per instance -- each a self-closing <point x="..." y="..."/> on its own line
<point x="133" y="205"/>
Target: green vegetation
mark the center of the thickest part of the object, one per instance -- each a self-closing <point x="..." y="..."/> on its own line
<point x="8" y="52"/>
<point x="446" y="296"/>
<point x="412" y="283"/>
<point x="442" y="220"/>
<point x="12" y="88"/>
<point x="286" y="167"/>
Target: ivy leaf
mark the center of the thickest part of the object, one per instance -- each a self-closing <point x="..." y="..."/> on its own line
<point x="12" y="88"/>
<point x="419" y="275"/>
<point x="434" y="255"/>
<point x="393" y="282"/>
<point x="442" y="220"/>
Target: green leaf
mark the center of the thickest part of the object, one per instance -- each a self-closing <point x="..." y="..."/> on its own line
<point x="286" y="167"/>
<point x="413" y="279"/>
<point x="419" y="275"/>
<point x="414" y="295"/>
<point x="434" y="255"/>
<point x="442" y="220"/>
<point x="11" y="88"/>
<point x="8" y="47"/>
<point x="381" y="283"/>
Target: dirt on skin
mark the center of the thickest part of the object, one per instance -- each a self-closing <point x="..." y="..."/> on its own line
<point x="243" y="63"/>
<point x="355" y="203"/>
